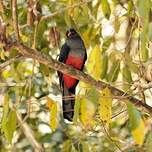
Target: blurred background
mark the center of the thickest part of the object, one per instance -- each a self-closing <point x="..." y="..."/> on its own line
<point x="117" y="35"/>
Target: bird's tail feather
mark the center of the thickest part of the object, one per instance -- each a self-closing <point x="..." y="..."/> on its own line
<point x="68" y="101"/>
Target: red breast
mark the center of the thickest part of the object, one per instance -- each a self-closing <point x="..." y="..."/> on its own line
<point x="76" y="63"/>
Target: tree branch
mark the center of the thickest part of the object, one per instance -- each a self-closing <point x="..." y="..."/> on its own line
<point x="64" y="9"/>
<point x="10" y="61"/>
<point x="29" y="135"/>
<point x="42" y="58"/>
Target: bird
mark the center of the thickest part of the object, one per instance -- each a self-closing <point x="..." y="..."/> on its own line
<point x="73" y="53"/>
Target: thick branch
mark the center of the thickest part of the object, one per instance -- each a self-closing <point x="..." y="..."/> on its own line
<point x="31" y="53"/>
<point x="29" y="135"/>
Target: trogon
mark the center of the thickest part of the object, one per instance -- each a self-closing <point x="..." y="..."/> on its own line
<point x="73" y="53"/>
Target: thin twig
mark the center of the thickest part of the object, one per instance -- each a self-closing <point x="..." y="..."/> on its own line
<point x="34" y="62"/>
<point x="15" y="19"/>
<point x="129" y="38"/>
<point x="143" y="85"/>
<point x="29" y="135"/>
<point x="10" y="61"/>
<point x="128" y="146"/>
<point x="121" y="112"/>
<point x="64" y="9"/>
<point x="109" y="137"/>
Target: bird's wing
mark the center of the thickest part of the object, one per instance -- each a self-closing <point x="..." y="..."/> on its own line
<point x="62" y="58"/>
<point x="85" y="56"/>
<point x="64" y="53"/>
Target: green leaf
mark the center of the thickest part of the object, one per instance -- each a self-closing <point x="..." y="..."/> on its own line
<point x="117" y="24"/>
<point x="44" y="69"/>
<point x="94" y="10"/>
<point x="40" y="40"/>
<point x="116" y="1"/>
<point x="106" y="44"/>
<point x="76" y="110"/>
<point x="144" y="52"/>
<point x="67" y="19"/>
<point x="10" y="125"/>
<point x="148" y="142"/>
<point x="150" y="31"/>
<point x="8" y="13"/>
<point x="92" y="95"/>
<point x="83" y="112"/>
<point x="85" y="146"/>
<point x="133" y="67"/>
<point x="84" y="13"/>
<point x="5" y="112"/>
<point x="130" y="7"/>
<point x="114" y="71"/>
<point x="104" y="66"/>
<point x="106" y="9"/>
<point x="127" y="74"/>
<point x="67" y="146"/>
<point x="134" y="116"/>
<point x="81" y="15"/>
<point x="137" y="125"/>
<point x="144" y="7"/>
<point x="115" y="55"/>
<point x="23" y="16"/>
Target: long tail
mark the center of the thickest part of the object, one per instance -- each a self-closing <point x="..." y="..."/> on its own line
<point x="68" y="101"/>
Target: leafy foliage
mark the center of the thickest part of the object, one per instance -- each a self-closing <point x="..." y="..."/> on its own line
<point x="117" y="35"/>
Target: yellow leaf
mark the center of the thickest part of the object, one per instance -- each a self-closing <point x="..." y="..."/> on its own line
<point x="139" y="133"/>
<point x="94" y="63"/>
<point x="87" y="111"/>
<point x="137" y="124"/>
<point x="49" y="103"/>
<point x="84" y="85"/>
<point x="67" y="146"/>
<point x="86" y="38"/>
<point x="52" y="105"/>
<point x="105" y="105"/>
<point x="53" y="117"/>
<point x="24" y="38"/>
<point x="2" y="54"/>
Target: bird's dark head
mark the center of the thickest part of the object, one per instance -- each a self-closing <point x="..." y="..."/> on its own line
<point x="71" y="33"/>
